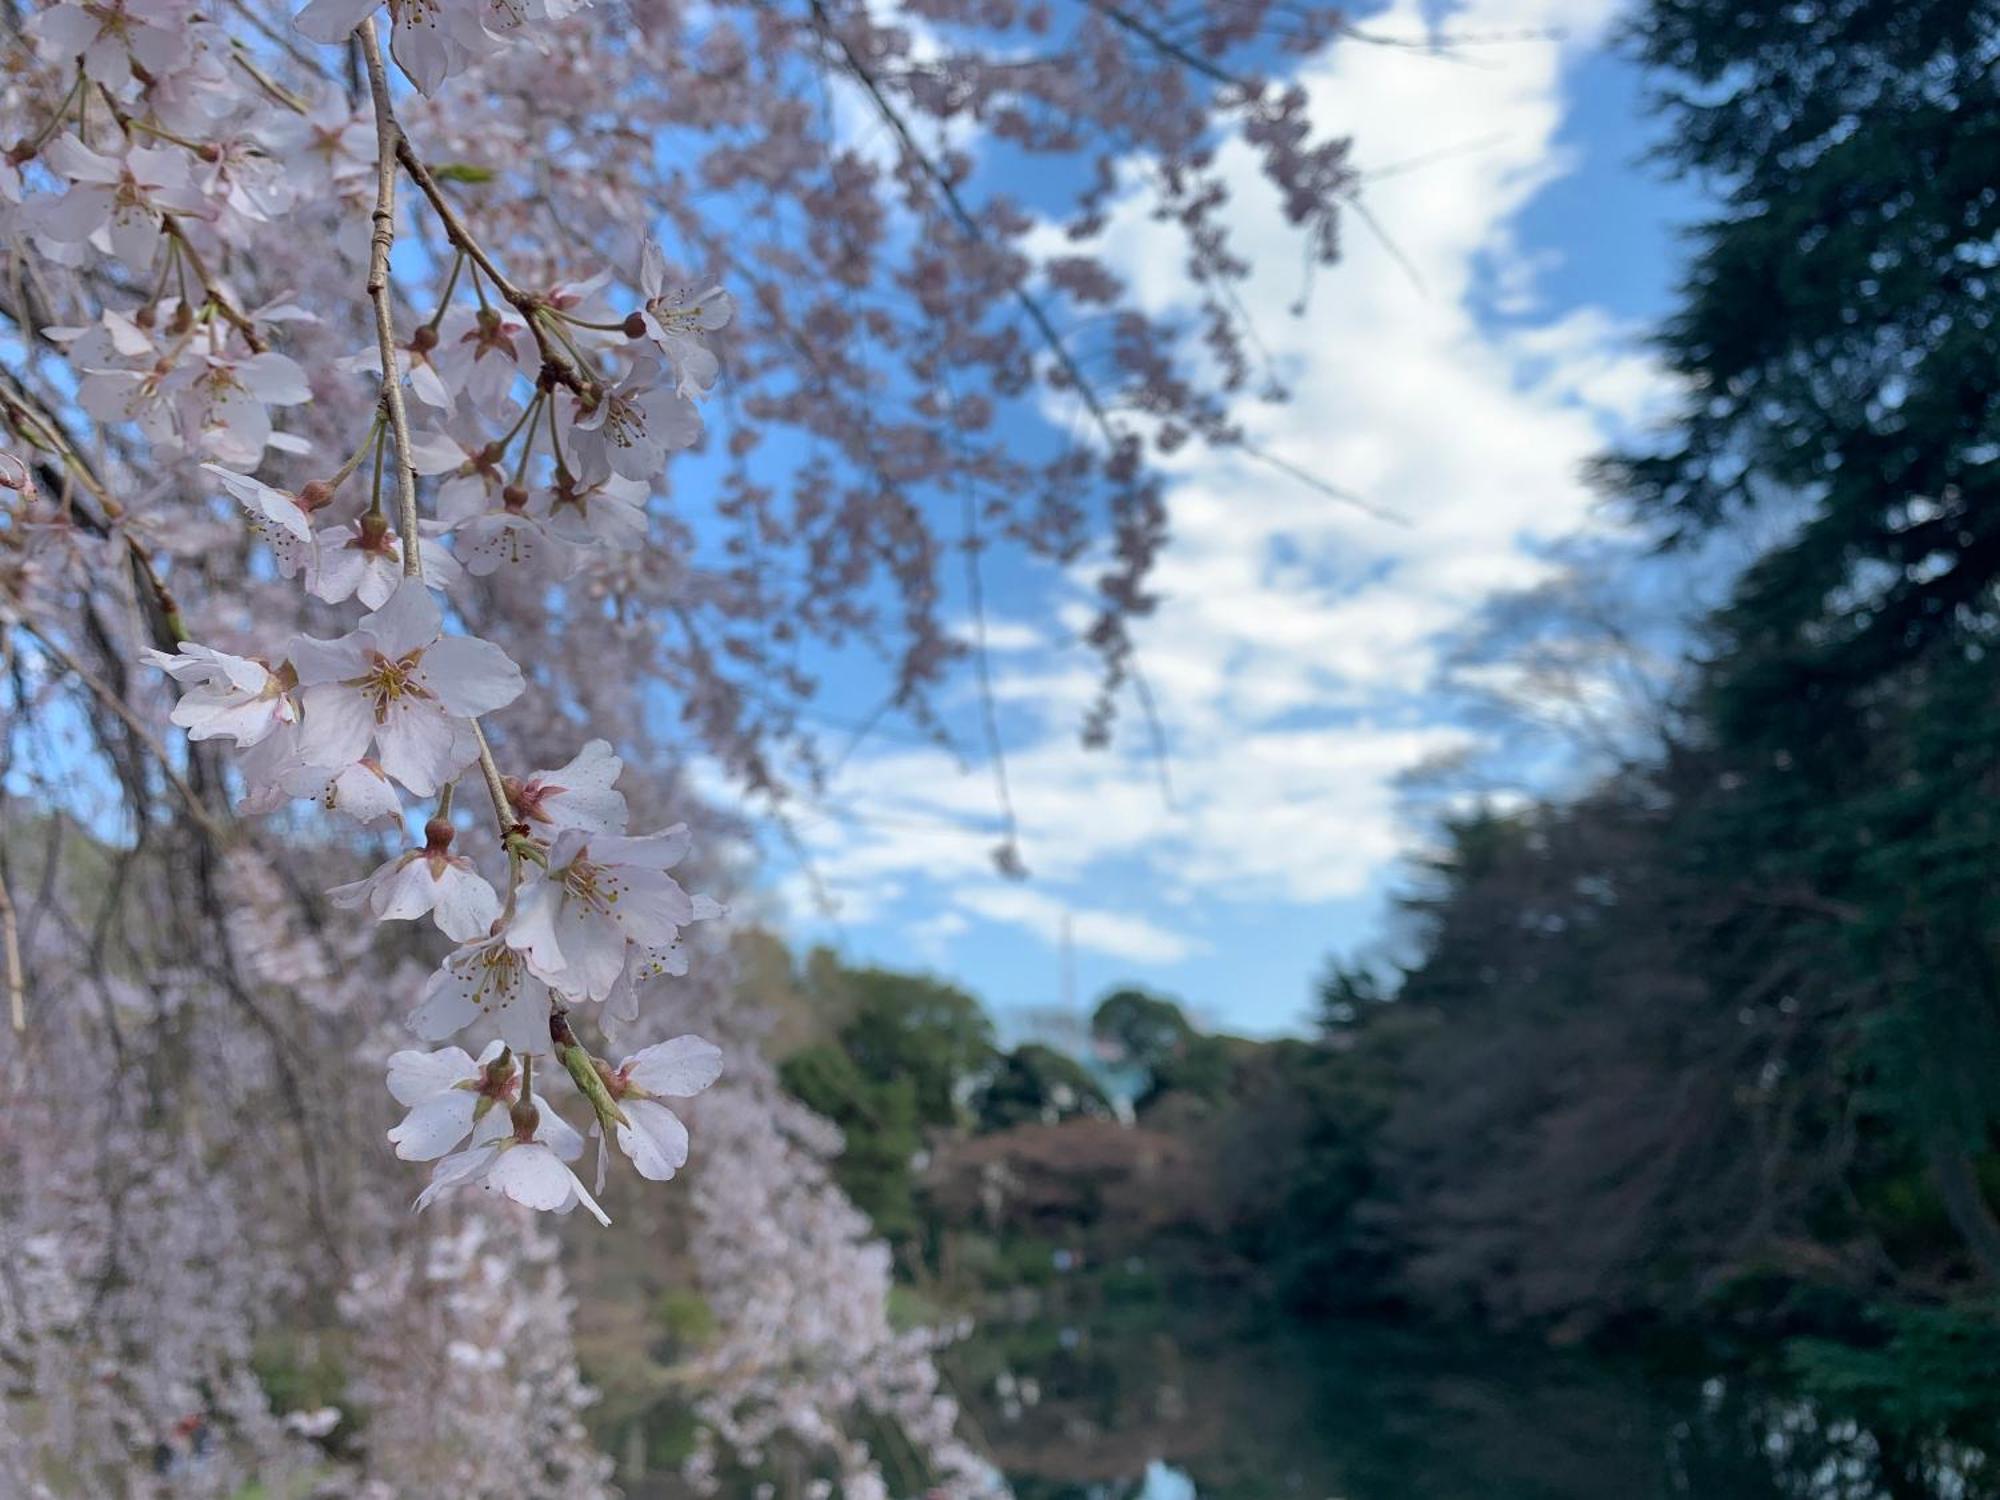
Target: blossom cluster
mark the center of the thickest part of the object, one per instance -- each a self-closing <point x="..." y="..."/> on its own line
<point x="540" y="419"/>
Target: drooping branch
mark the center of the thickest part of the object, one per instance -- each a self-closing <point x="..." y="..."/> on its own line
<point x="387" y="134"/>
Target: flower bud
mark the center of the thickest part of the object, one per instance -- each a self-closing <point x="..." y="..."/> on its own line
<point x="525" y="1118"/>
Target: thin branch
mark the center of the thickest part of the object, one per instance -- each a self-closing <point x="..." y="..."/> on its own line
<point x="1008" y="855"/>
<point x="496" y="784"/>
<point x="1156" y="729"/>
<point x="1305" y="476"/>
<point x="387" y="134"/>
<point x="1167" y="46"/>
<point x="10" y="941"/>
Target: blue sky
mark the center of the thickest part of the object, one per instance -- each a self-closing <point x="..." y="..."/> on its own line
<point x="1459" y="381"/>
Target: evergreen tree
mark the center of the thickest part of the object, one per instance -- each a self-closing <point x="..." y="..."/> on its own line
<point x="1837" y="336"/>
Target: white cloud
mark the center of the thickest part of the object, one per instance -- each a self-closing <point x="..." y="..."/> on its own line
<point x="1291" y="656"/>
<point x="1110" y="933"/>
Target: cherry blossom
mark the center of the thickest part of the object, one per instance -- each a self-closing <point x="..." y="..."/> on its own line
<point x="275" y="772"/>
<point x="282" y="519"/>
<point x="484" y="352"/>
<point x="608" y="513"/>
<point x="432" y="38"/>
<point x="399" y="683"/>
<point x="675" y="317"/>
<point x="363" y="559"/>
<point x="447" y="1094"/>
<point x="523" y="1155"/>
<point x="486" y="981"/>
<point x="582" y="794"/>
<point x="117" y="202"/>
<point x="628" y="429"/>
<point x="231" y="697"/>
<point x="450" y="1096"/>
<point x="225" y="402"/>
<point x="110" y="35"/>
<point x="514" y="537"/>
<point x="653" y="1135"/>
<point x="644" y="966"/>
<point x="596" y="892"/>
<point x="428" y="880"/>
<point x="414" y="362"/>
<point x="325" y="145"/>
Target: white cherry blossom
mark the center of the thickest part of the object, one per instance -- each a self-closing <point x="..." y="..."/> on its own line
<point x="582" y="794"/>
<point x="484" y="352"/>
<point x="109" y="35"/>
<point x="116" y="202"/>
<point x="432" y="39"/>
<point x="363" y="559"/>
<point x="413" y="364"/>
<point x="224" y="403"/>
<point x="524" y="1156"/>
<point x="399" y="683"/>
<point x="655" y="1139"/>
<point x="598" y="891"/>
<point x="282" y="519"/>
<point x="675" y="317"/>
<point x="275" y="772"/>
<point x="232" y="697"/>
<point x="450" y="1096"/>
<point x="485" y="981"/>
<point x="428" y="880"/>
<point x="447" y="1094"/>
<point x="628" y="429"/>
<point x="609" y="513"/>
<point x="327" y="146"/>
<point x="513" y="537"/>
<point x="644" y="966"/>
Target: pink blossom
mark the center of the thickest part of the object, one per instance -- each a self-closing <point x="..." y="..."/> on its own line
<point x="675" y="317"/>
<point x="363" y="559"/>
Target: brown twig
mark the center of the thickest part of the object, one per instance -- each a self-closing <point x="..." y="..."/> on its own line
<point x="462" y="239"/>
<point x="387" y="134"/>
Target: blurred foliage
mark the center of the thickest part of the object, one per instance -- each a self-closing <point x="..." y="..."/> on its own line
<point x="887" y="1057"/>
<point x="1933" y="1371"/>
<point x="1035" y="1082"/>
